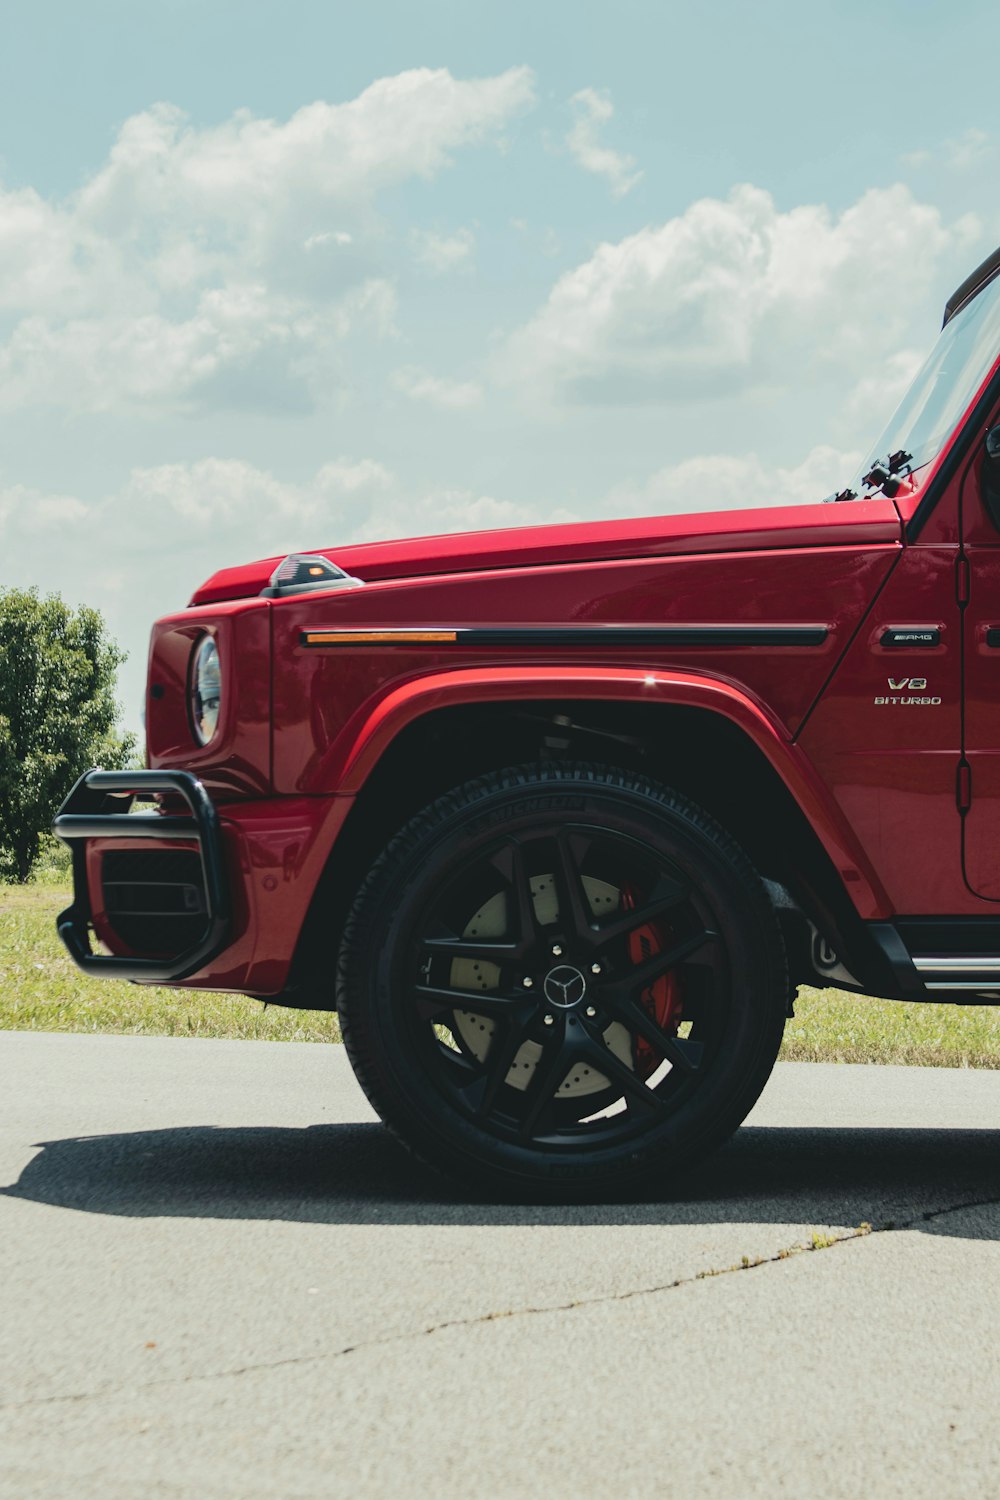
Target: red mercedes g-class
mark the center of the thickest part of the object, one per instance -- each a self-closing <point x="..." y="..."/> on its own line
<point x="558" y="818"/>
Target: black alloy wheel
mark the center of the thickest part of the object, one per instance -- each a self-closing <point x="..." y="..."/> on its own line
<point x="562" y="980"/>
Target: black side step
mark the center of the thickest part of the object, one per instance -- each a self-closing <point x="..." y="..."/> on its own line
<point x="942" y="959"/>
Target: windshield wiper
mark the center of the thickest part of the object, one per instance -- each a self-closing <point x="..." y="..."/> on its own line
<point x="839" y="496"/>
<point x="885" y="475"/>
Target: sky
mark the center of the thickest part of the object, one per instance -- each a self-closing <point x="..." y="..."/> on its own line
<point x="279" y="276"/>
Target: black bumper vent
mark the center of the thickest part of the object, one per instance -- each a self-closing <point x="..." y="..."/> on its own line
<point x="155" y="899"/>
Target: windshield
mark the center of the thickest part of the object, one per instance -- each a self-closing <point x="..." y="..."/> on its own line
<point x="955" y="369"/>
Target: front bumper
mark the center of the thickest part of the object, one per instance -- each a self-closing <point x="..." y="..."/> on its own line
<point x="98" y="807"/>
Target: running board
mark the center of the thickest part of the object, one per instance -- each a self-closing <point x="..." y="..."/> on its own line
<point x="944" y="972"/>
<point x="937" y="976"/>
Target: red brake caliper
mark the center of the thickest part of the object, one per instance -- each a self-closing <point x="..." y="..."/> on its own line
<point x="662" y="1000"/>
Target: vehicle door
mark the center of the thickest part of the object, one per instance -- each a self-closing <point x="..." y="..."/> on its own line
<point x="980" y="791"/>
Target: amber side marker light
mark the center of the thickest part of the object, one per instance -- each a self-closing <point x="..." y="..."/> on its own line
<point x="376" y="637"/>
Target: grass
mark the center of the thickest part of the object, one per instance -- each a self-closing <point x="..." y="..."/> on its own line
<point x="836" y="1026"/>
<point x="41" y="990"/>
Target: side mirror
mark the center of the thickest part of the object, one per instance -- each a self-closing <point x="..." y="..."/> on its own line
<point x="991" y="475"/>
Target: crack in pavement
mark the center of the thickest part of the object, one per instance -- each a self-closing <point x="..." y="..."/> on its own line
<point x="747" y="1263"/>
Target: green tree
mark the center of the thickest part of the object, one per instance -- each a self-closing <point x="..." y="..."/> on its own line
<point x="57" y="714"/>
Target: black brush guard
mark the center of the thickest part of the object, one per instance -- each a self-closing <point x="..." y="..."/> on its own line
<point x="98" y="807"/>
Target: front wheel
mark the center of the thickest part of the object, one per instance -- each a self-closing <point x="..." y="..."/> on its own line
<point x="562" y="979"/>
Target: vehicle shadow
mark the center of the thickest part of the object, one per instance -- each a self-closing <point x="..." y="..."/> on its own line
<point x="357" y="1174"/>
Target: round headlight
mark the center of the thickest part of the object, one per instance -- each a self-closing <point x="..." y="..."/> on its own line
<point x="206" y="689"/>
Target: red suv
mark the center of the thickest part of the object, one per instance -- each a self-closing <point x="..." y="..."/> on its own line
<point x="558" y="818"/>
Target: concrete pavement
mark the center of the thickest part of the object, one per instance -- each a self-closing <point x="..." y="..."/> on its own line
<point x="221" y="1278"/>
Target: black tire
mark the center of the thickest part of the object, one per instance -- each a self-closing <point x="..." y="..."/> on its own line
<point x="551" y="1078"/>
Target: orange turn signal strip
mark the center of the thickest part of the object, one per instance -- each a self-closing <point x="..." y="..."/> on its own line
<point x="375" y="637"/>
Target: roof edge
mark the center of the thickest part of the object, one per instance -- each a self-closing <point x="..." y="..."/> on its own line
<point x="972" y="286"/>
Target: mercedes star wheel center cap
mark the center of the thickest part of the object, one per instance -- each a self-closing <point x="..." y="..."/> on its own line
<point x="564" y="986"/>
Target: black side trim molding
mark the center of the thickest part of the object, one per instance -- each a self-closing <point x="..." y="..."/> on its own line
<point x="656" y="635"/>
<point x="577" y="635"/>
<point x="98" y="807"/>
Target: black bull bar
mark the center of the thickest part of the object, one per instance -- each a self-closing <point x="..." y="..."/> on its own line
<point x="99" y="807"/>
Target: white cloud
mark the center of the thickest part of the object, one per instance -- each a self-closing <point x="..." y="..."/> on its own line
<point x="592" y="109"/>
<point x="28" y="513"/>
<point x="880" y="390"/>
<point x="728" y="481"/>
<point x="54" y="263"/>
<point x="216" y="265"/>
<point x="249" y="172"/>
<point x="443" y="252"/>
<point x="238" y="510"/>
<point x="452" y="395"/>
<point x="327" y="237"/>
<point x="546" y="240"/>
<point x="228" y="502"/>
<point x="972" y="149"/>
<point x="735" y="294"/>
<point x="234" y="334"/>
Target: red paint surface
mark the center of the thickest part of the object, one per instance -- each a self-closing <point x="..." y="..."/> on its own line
<point x="891" y="767"/>
<point x="237" y="763"/>
<point x="864" y="522"/>
<point x="275" y="851"/>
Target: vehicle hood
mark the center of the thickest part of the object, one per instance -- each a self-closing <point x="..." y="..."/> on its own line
<point x="850" y="523"/>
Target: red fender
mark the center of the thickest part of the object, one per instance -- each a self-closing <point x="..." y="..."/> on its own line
<point x="377" y="722"/>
